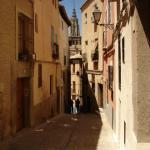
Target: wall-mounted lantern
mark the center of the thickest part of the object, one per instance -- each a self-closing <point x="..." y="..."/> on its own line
<point x="97" y="16"/>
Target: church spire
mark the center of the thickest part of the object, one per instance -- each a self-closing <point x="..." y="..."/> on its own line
<point x="74" y="13"/>
<point x="74" y="23"/>
<point x="74" y="34"/>
<point x="74" y="10"/>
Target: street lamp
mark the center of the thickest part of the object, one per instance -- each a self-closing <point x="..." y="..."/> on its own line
<point x="97" y="16"/>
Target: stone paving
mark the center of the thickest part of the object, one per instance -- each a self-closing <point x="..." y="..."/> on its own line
<point x="66" y="132"/>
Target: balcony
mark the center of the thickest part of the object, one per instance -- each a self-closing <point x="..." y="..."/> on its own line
<point x="55" y="51"/>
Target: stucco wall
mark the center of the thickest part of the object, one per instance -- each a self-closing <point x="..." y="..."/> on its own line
<point x="9" y="54"/>
<point x="133" y="98"/>
<point x="143" y="80"/>
<point x="47" y="16"/>
<point x="64" y="51"/>
<point x="89" y="40"/>
<point x="6" y="43"/>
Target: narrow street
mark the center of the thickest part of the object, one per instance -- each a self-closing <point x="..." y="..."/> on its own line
<point x="70" y="56"/>
<point x="66" y="132"/>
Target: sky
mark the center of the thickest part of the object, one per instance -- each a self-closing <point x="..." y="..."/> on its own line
<point x="69" y="5"/>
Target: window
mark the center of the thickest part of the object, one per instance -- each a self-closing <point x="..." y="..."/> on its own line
<point x="25" y="34"/>
<point x="56" y="38"/>
<point x="85" y="18"/>
<point x="110" y="77"/>
<point x="73" y="68"/>
<point x="36" y="23"/>
<point x="86" y="42"/>
<point x="74" y="87"/>
<point x="119" y="62"/>
<point x="123" y="50"/>
<point x="64" y="60"/>
<point x="39" y="75"/>
<point x="51" y="84"/>
<point x="62" y="25"/>
<point x="70" y="43"/>
<point x="124" y="132"/>
<point x="109" y="12"/>
<point x="118" y="10"/>
<point x="52" y="37"/>
<point x="103" y="39"/>
<point x="95" y="65"/>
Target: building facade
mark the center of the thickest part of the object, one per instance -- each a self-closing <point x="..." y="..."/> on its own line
<point x="31" y="81"/>
<point x="16" y="66"/>
<point x="65" y="55"/>
<point x="92" y="48"/>
<point x="125" y="65"/>
<point x="47" y="81"/>
<point x="125" y="92"/>
<point x="109" y="56"/>
<point x="131" y="39"/>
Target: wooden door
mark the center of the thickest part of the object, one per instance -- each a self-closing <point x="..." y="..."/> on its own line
<point x="58" y="99"/>
<point x="19" y="105"/>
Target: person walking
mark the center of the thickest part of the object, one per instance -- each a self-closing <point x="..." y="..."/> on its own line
<point x="71" y="106"/>
<point x="74" y="107"/>
<point x="78" y="105"/>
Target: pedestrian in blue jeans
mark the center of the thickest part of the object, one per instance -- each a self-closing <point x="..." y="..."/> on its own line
<point x="71" y="106"/>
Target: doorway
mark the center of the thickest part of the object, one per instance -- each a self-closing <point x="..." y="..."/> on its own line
<point x="58" y="99"/>
<point x="22" y="103"/>
<point x="100" y="95"/>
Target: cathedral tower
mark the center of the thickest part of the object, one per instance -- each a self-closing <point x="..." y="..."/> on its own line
<point x="74" y="35"/>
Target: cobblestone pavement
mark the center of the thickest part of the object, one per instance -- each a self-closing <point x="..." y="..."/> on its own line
<point x="66" y="132"/>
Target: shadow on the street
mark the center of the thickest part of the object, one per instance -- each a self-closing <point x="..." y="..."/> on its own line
<point x="67" y="132"/>
<point x="87" y="132"/>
